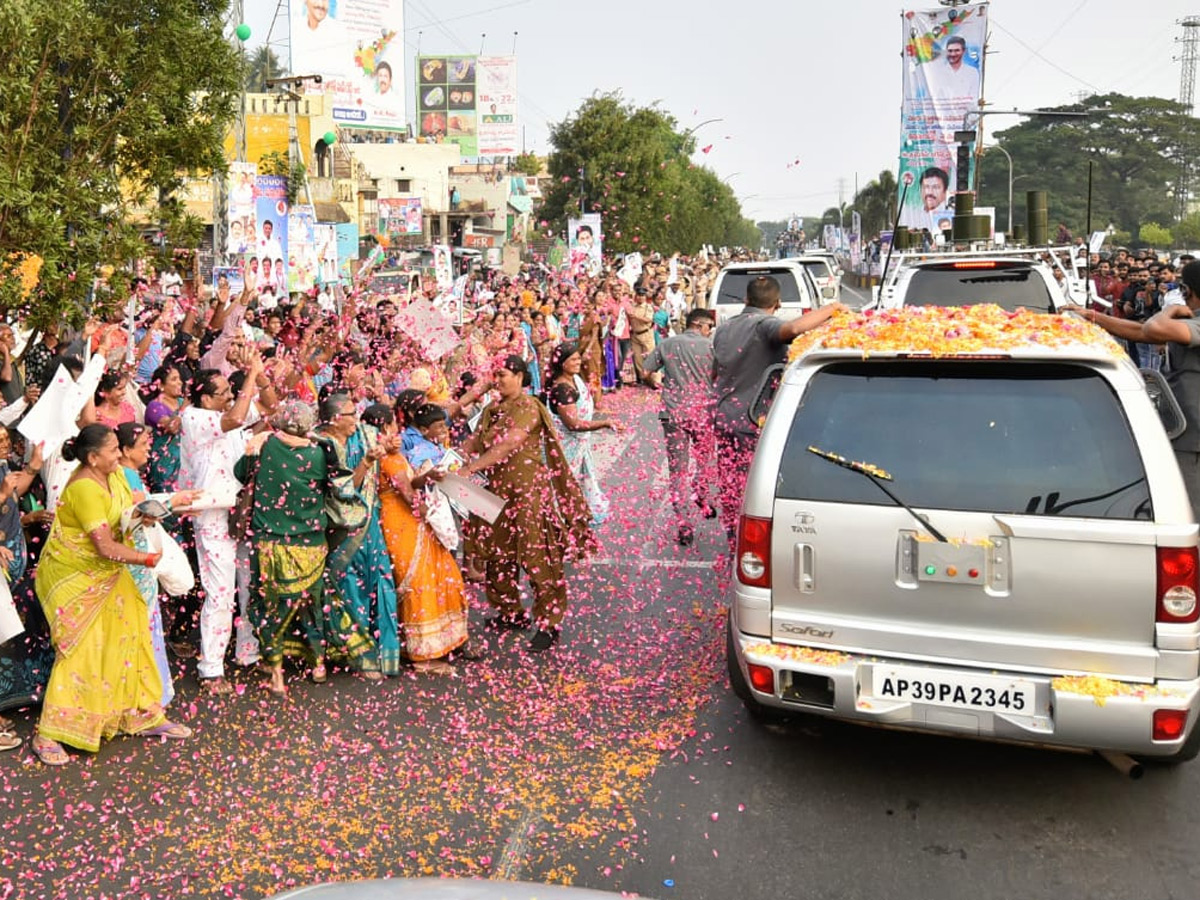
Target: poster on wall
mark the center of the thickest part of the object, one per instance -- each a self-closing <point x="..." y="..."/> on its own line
<point x="347" y="249"/>
<point x="446" y="100"/>
<point x="266" y="258"/>
<point x="400" y="215"/>
<point x="943" y="79"/>
<point x="496" y="105"/>
<point x="357" y="47"/>
<point x="443" y="266"/>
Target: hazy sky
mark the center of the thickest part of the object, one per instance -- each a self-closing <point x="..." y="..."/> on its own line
<point x="810" y="80"/>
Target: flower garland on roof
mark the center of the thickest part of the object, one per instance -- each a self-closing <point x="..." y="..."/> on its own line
<point x="950" y="330"/>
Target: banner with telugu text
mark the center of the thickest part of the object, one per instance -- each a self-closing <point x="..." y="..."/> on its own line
<point x="943" y="81"/>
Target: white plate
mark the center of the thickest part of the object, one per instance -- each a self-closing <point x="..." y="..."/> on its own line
<point x="955" y="689"/>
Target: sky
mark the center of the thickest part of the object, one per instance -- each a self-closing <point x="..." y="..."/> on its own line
<point x="813" y="81"/>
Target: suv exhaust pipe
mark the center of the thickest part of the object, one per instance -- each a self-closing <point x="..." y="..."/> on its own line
<point x="1122" y="762"/>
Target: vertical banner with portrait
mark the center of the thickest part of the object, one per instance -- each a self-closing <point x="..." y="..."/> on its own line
<point x="227" y="282"/>
<point x="357" y="47"/>
<point x="400" y="216"/>
<point x="266" y="258"/>
<point x="325" y="240"/>
<point x="585" y="244"/>
<point x="496" y="105"/>
<point x="347" y="249"/>
<point x="241" y="227"/>
<point x="443" y="266"/>
<point x="446" y="101"/>
<point x="302" y="248"/>
<point x="943" y="80"/>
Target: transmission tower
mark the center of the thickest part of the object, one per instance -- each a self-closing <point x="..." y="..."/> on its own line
<point x="1190" y="39"/>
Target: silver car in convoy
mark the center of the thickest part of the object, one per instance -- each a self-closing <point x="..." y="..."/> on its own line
<point x="997" y="545"/>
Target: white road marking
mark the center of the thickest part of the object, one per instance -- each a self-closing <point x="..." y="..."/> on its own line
<point x="515" y="846"/>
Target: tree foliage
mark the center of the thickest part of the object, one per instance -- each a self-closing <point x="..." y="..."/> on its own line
<point x="1135" y="145"/>
<point x="1154" y="235"/>
<point x="875" y="203"/>
<point x="632" y="165"/>
<point x="262" y="64"/>
<point x="528" y="164"/>
<point x="107" y="107"/>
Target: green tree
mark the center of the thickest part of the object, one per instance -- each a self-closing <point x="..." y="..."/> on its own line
<point x="262" y="65"/>
<point x="107" y="107"/>
<point x="875" y="203"/>
<point x="1135" y="146"/>
<point x="1187" y="232"/>
<point x="528" y="164"/>
<point x="631" y="165"/>
<point x="1155" y="235"/>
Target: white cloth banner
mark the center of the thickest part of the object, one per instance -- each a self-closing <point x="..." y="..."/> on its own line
<point x="428" y="326"/>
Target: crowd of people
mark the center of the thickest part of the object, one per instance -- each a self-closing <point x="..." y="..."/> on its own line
<point x="292" y="457"/>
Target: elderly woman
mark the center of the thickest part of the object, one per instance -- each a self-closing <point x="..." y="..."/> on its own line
<point x="290" y="477"/>
<point x="545" y="516"/>
<point x="573" y="408"/>
<point x="362" y="573"/>
<point x="104" y="680"/>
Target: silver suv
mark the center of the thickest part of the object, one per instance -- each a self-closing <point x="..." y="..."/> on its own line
<point x="994" y="544"/>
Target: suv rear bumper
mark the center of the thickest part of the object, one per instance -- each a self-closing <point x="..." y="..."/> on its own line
<point x="1115" y="716"/>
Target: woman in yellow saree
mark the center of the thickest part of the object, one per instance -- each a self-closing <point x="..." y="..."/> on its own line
<point x="104" y="680"/>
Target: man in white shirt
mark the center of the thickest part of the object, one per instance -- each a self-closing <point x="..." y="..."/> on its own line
<point x="952" y="78"/>
<point x="269" y="246"/>
<point x="213" y="438"/>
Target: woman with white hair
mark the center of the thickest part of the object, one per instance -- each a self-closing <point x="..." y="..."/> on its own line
<point x="287" y="526"/>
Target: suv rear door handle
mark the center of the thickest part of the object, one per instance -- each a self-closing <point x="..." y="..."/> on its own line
<point x="804" y="565"/>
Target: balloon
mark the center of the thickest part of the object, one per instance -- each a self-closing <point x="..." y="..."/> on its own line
<point x="242" y="32"/>
<point x="330" y="138"/>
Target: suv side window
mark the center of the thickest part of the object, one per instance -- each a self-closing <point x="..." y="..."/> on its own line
<point x="1038" y="439"/>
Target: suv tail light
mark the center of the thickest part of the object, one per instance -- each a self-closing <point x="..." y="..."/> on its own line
<point x="1178" y="584"/>
<point x="1168" y="724"/>
<point x="754" y="551"/>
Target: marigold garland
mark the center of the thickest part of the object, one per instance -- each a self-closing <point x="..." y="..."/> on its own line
<point x="950" y="330"/>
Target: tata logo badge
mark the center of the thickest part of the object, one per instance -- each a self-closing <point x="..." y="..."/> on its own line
<point x="804" y="523"/>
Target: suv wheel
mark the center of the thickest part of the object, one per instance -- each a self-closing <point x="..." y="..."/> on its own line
<point x="742" y="690"/>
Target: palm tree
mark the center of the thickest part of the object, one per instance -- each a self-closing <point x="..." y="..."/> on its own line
<point x="876" y="203"/>
<point x="263" y="64"/>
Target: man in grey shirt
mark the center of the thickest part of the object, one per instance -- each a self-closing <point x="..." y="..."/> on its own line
<point x="685" y="360"/>
<point x="743" y="349"/>
<point x="1178" y="327"/>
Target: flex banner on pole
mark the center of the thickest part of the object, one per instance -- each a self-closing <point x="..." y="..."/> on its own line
<point x="943" y="80"/>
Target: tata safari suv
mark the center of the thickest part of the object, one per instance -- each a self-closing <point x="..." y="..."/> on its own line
<point x="972" y="536"/>
<point x="798" y="292"/>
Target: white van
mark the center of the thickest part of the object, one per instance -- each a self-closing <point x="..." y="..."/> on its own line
<point x="798" y="292"/>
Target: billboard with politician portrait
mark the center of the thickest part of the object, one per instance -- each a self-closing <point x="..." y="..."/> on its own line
<point x="943" y="79"/>
<point x="400" y="216"/>
<point x="357" y="47"/>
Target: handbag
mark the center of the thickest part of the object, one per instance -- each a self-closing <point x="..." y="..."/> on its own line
<point x="174" y="572"/>
<point x="439" y="517"/>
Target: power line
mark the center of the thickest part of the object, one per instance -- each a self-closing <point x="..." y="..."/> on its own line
<point x="480" y="12"/>
<point x="1048" y="62"/>
<point x="1061" y="25"/>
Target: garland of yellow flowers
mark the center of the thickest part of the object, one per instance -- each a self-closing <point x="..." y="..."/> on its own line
<point x="948" y="331"/>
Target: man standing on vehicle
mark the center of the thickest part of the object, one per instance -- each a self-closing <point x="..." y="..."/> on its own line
<point x="686" y="363"/>
<point x="743" y="349"/>
<point x="1178" y="327"/>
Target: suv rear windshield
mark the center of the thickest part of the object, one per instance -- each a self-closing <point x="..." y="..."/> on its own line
<point x="733" y="285"/>
<point x="991" y="437"/>
<point x="1009" y="285"/>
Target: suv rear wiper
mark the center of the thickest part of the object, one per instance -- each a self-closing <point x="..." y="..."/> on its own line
<point x="877" y="476"/>
<point x="1053" y="507"/>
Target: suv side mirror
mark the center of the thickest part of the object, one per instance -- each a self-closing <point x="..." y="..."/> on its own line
<point x="1163" y="398"/>
<point x="828" y="293"/>
<point x="767" y="388"/>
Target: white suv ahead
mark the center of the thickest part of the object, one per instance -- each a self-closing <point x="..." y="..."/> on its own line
<point x="971" y="522"/>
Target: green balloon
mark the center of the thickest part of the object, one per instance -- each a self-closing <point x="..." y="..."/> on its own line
<point x="330" y="138"/>
<point x="243" y="32"/>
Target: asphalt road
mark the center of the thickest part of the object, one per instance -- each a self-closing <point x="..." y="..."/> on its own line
<point x="618" y="762"/>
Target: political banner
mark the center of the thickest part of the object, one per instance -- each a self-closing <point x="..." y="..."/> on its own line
<point x="443" y="266"/>
<point x="431" y="328"/>
<point x="241" y="226"/>
<point x="585" y="244"/>
<point x="266" y="258"/>
<point x="302" y="248"/>
<point x="228" y="281"/>
<point x="496" y="105"/>
<point x="446" y="99"/>
<point x="400" y="215"/>
<point x="357" y="47"/>
<point x="347" y="249"/>
<point x="325" y="240"/>
<point x="943" y="80"/>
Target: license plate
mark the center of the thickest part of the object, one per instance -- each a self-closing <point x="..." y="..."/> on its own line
<point x="961" y="690"/>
